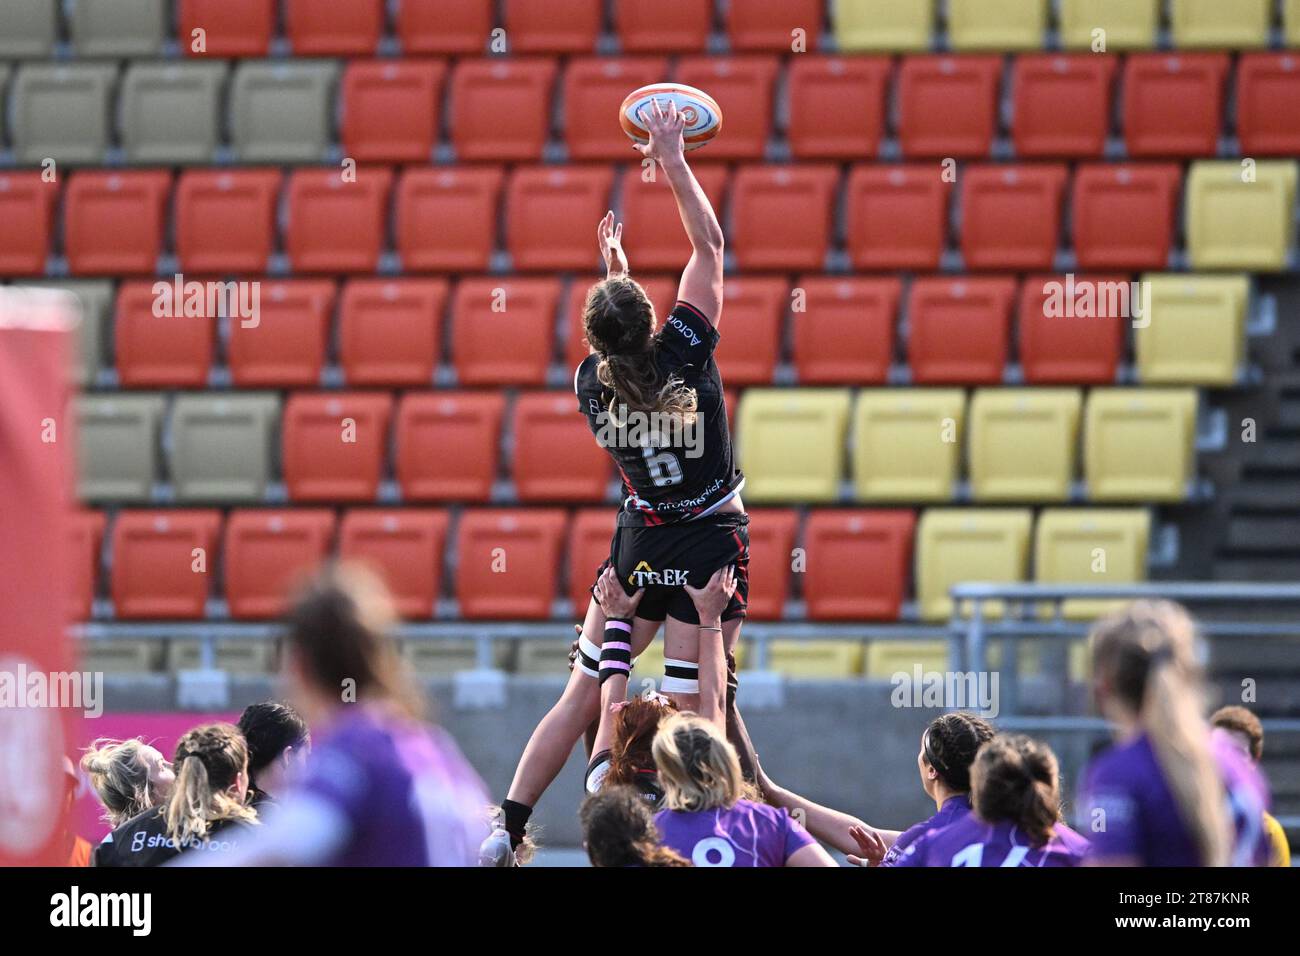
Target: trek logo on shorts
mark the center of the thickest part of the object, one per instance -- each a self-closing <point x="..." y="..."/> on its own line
<point x="642" y="575"/>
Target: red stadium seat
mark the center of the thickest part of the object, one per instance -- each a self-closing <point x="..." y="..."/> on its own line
<point x="267" y="554"/>
<point x="430" y="423"/>
<point x="845" y="334"/>
<point x="753" y="316"/>
<point x="446" y="218"/>
<point x="1173" y="103"/>
<point x="286" y="347"/>
<point x="662" y="291"/>
<point x="858" y="563"/>
<point x="503" y="330"/>
<point x="1062" y="104"/>
<point x="1268" y="104"/>
<point x="390" y="330"/>
<point x="231" y="28"/>
<point x="508" y="562"/>
<point x="334" y="445"/>
<point x="771" y="543"/>
<point x="947" y="105"/>
<point x="404" y="547"/>
<point x="781" y="216"/>
<point x="897" y="217"/>
<point x="225" y="219"/>
<point x="590" y="533"/>
<point x="444" y="26"/>
<point x="958" y="330"/>
<point x="550" y="212"/>
<point x="771" y="24"/>
<point x="163" y="562"/>
<point x="743" y="86"/>
<point x="651" y="26"/>
<point x="161" y="351"/>
<point x="1123" y="215"/>
<point x="653" y="235"/>
<point x="330" y="28"/>
<point x="113" y="221"/>
<point x="1011" y="216"/>
<point x="556" y="458"/>
<point x="594" y="89"/>
<point x="1063" y="341"/>
<point x="501" y="109"/>
<point x="391" y="110"/>
<point x="557" y="26"/>
<point x="27" y="210"/>
<point x="87" y="535"/>
<point x="837" y="106"/>
<point x="337" y="225"/>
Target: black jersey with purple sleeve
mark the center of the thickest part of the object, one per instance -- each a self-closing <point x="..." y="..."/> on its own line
<point x="671" y="471"/>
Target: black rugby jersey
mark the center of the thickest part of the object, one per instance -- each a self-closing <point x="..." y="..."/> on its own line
<point x="143" y="841"/>
<point x="671" y="472"/>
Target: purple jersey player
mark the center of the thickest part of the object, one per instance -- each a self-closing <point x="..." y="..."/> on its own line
<point x="1016" y="798"/>
<point x="704" y="818"/>
<point x="1168" y="793"/>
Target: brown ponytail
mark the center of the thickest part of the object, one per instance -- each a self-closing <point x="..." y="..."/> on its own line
<point x="618" y="320"/>
<point x="209" y="759"/>
<point x="1145" y="653"/>
<point x="619" y="830"/>
<point x="1015" y="778"/>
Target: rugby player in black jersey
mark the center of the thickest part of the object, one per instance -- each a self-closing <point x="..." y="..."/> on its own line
<point x="654" y="400"/>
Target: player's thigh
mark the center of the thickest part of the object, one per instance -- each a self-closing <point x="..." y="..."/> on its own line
<point x="682" y="643"/>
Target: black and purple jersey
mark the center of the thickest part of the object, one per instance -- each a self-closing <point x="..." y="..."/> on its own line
<point x="953" y="809"/>
<point x="972" y="842"/>
<point x="1127" y="809"/>
<point x="669" y="474"/>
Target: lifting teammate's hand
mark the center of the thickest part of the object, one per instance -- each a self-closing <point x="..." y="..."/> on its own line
<point x="712" y="599"/>
<point x="611" y="597"/>
<point x="870" y="844"/>
<point x="609" y="234"/>
<point x="666" y="130"/>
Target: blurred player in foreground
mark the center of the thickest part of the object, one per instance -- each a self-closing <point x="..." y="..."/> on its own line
<point x="1244" y="730"/>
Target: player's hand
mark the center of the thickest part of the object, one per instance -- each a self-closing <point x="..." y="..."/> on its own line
<point x="573" y="648"/>
<point x="712" y="599"/>
<point x="870" y="844"/>
<point x="666" y="129"/>
<point x="611" y="597"/>
<point x="610" y="236"/>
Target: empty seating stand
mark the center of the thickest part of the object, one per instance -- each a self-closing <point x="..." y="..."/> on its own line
<point x="390" y="330"/>
<point x="897" y="217"/>
<point x="225" y="219"/>
<point x="772" y="533"/>
<point x="163" y="563"/>
<point x="858" y="563"/>
<point x="405" y="546"/>
<point x="113" y="221"/>
<point x="1139" y="444"/>
<point x="1022" y="443"/>
<point x="1123" y="214"/>
<point x="391" y="109"/>
<point x="844" y="329"/>
<point x="284" y="344"/>
<point x="1095" y="546"/>
<point x="1072" y="327"/>
<point x="27" y="205"/>
<point x="907" y="443"/>
<point x="1011" y="216"/>
<point x="954" y="545"/>
<point x="337" y="222"/>
<point x="430" y="423"/>
<point x="1062" y="104"/>
<point x="555" y="458"/>
<point x="507" y="563"/>
<point x="755" y="309"/>
<point x="333" y="445"/>
<point x="791" y="443"/>
<point x="267" y="554"/>
<point x="947" y="105"/>
<point x="1196" y="332"/>
<point x="222" y="446"/>
<point x="837" y="105"/>
<point x="959" y="330"/>
<point x="503" y="330"/>
<point x="446" y="217"/>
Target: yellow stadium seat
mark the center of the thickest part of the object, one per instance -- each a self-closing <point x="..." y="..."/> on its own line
<point x="1291" y="22"/>
<point x="956" y="545"/>
<point x="543" y="656"/>
<point x="1023" y="443"/>
<point x="791" y="443"/>
<point x="1196" y="333"/>
<point x="996" y="24"/>
<point x="440" y="658"/>
<point x="1236" y="223"/>
<point x="883" y="25"/>
<point x="907" y="443"/>
<point x="887" y="658"/>
<point x="1091" y="546"/>
<point x="649" y="665"/>
<point x="1219" y="24"/>
<point x="120" y="657"/>
<point x="1139" y="443"/>
<point x="235" y="657"/>
<point x="827" y="660"/>
<point x="1128" y="24"/>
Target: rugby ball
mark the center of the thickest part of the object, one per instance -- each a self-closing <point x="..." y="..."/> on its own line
<point x="701" y="111"/>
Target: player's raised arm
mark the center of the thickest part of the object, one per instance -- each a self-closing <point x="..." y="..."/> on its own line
<point x="701" y="283"/>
